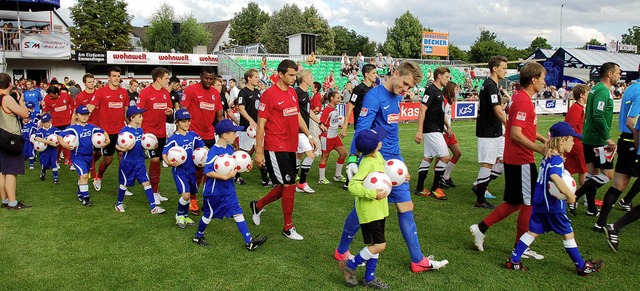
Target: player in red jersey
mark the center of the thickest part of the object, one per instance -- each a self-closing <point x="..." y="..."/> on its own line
<point x="84" y="98"/>
<point x="111" y="102"/>
<point x="574" y="160"/>
<point x="60" y="106"/>
<point x="156" y="100"/>
<point x="205" y="106"/>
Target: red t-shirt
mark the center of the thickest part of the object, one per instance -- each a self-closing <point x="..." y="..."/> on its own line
<point x="281" y="110"/>
<point x="523" y="115"/>
<point x="156" y="102"/>
<point x="60" y="109"/>
<point x="203" y="106"/>
<point x="316" y="103"/>
<point x="575" y="117"/>
<point x="84" y="98"/>
<point x="113" y="107"/>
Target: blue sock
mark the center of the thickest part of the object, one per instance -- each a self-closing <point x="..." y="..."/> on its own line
<point x="83" y="190"/>
<point x="31" y="161"/>
<point x="55" y="174"/>
<point x="371" y="268"/>
<point x="244" y="230"/>
<point x="356" y="261"/>
<point x="121" y="190"/>
<point x="149" y="192"/>
<point x="525" y="241"/>
<point x="410" y="234"/>
<point x="202" y="226"/>
<point x="572" y="249"/>
<point x="351" y="227"/>
<point x="183" y="207"/>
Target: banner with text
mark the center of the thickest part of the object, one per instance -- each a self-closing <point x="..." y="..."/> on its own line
<point x="48" y="46"/>
<point x="435" y="43"/>
<point x="172" y="59"/>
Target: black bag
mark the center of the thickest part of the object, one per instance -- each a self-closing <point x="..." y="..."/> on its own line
<point x="10" y="143"/>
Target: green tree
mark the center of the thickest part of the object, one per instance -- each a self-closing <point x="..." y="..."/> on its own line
<point x="455" y="53"/>
<point x="632" y="36"/>
<point x="160" y="36"/>
<point x="405" y="37"/>
<point x="486" y="46"/>
<point x="246" y="25"/>
<point x="350" y="42"/>
<point x="97" y="28"/>
<point x="314" y="23"/>
<point x="593" y="41"/>
<point x="537" y="43"/>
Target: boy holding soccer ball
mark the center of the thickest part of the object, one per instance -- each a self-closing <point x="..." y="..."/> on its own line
<point x="48" y="157"/>
<point x="83" y="153"/>
<point x="219" y="193"/>
<point x="184" y="175"/>
<point x="548" y="212"/>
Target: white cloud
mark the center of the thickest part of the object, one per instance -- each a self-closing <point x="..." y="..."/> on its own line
<point x="585" y="34"/>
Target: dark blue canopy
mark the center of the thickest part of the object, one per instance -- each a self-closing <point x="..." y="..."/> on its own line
<point x="29" y="5"/>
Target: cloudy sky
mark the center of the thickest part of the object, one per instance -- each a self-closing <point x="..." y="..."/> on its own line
<point x="516" y="22"/>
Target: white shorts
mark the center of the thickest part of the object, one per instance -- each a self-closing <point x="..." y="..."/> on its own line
<point x="490" y="149"/>
<point x="303" y="143"/>
<point x="245" y="143"/>
<point x="171" y="128"/>
<point x="434" y="145"/>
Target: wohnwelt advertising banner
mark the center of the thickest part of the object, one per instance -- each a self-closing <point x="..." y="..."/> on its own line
<point x="46" y="46"/>
<point x="147" y="58"/>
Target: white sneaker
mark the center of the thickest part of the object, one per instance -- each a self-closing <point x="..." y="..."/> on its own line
<point x="97" y="184"/>
<point x="156" y="199"/>
<point x="30" y="167"/>
<point x="72" y="168"/>
<point x="120" y="207"/>
<point x="255" y="213"/>
<point x="529" y="253"/>
<point x="437" y="264"/>
<point x="157" y="210"/>
<point x="160" y="197"/>
<point x="128" y="193"/>
<point x="304" y="188"/>
<point x="478" y="237"/>
<point x="164" y="164"/>
<point x="292" y="234"/>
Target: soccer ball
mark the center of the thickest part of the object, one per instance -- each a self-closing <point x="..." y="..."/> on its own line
<point x="39" y="146"/>
<point x="54" y="138"/>
<point x="224" y="164"/>
<point x="251" y="131"/>
<point x="397" y="171"/>
<point x="149" y="141"/>
<point x="177" y="154"/>
<point x="243" y="160"/>
<point x="125" y="139"/>
<point x="378" y="180"/>
<point x="340" y="121"/>
<point x="555" y="192"/>
<point x="200" y="156"/>
<point x="72" y="140"/>
<point x="98" y="140"/>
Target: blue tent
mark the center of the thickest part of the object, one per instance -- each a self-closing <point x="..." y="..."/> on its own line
<point x="29" y="5"/>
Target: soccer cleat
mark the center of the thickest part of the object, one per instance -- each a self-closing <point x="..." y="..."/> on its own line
<point x="193" y="206"/>
<point x="304" y="188"/>
<point x="597" y="228"/>
<point x="72" y="168"/>
<point x="156" y="199"/>
<point x="423" y="193"/>
<point x="18" y="206"/>
<point x="128" y="193"/>
<point x="590" y="266"/>
<point x="529" y="253"/>
<point x="201" y="241"/>
<point x="348" y="273"/>
<point x="240" y="181"/>
<point x="267" y="184"/>
<point x="256" y="241"/>
<point x="596" y="214"/>
<point x="443" y="184"/>
<point x="324" y="182"/>
<point x="80" y="198"/>
<point x="478" y="237"/>
<point x="188" y="221"/>
<point x="86" y="202"/>
<point x="340" y="179"/>
<point x="612" y="237"/>
<point x="625" y="206"/>
<point x="42" y="175"/>
<point x="97" y="184"/>
<point x="488" y="195"/>
<point x="374" y="284"/>
<point x="439" y="194"/>
<point x="56" y="181"/>
<point x="162" y="198"/>
<point x="572" y="208"/>
<point x="485" y="205"/>
<point x="449" y="183"/>
<point x="180" y="221"/>
<point x="341" y="257"/>
<point x="4" y="205"/>
<point x="157" y="210"/>
<point x="292" y="234"/>
<point x="120" y="207"/>
<point x="31" y="167"/>
<point x="514" y="266"/>
<point x="255" y="212"/>
<point x="427" y="264"/>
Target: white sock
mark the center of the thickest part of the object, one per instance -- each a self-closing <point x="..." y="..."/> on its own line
<point x="338" y="170"/>
<point x="321" y="172"/>
<point x="448" y="170"/>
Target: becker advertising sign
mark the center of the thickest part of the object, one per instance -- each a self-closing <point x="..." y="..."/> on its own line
<point x="435" y="43"/>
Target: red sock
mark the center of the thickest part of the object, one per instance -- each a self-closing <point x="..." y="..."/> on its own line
<point x="501" y="212"/>
<point x="340" y="161"/>
<point x="101" y="169"/>
<point x="154" y="174"/>
<point x="273" y="195"/>
<point x="92" y="170"/>
<point x="67" y="155"/>
<point x="288" y="198"/>
<point x="199" y="175"/>
<point x="523" y="221"/>
<point x="322" y="166"/>
<point x="454" y="160"/>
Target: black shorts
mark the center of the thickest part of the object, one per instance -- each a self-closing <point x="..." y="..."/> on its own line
<point x="110" y="149"/>
<point x="157" y="153"/>
<point x="519" y="183"/>
<point x="627" y="156"/>
<point x="591" y="158"/>
<point x="281" y="167"/>
<point x="209" y="142"/>
<point x="11" y="164"/>
<point x="373" y="232"/>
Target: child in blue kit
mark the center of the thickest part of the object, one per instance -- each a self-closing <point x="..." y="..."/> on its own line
<point x="548" y="212"/>
<point x="132" y="166"/>
<point x="29" y="127"/>
<point x="82" y="155"/>
<point x="48" y="157"/>
<point x="219" y="193"/>
<point x="183" y="175"/>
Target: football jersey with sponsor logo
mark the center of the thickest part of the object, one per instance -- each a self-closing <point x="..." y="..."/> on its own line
<point x="521" y="114"/>
<point x="304" y="103"/>
<point x="215" y="187"/>
<point x="84" y="98"/>
<point x="542" y="201"/>
<point x="84" y="134"/>
<point x="189" y="141"/>
<point x="203" y="106"/>
<point x="112" y="105"/>
<point x="434" y="116"/>
<point x="598" y="116"/>
<point x="487" y="123"/>
<point x="330" y="118"/>
<point x="280" y="109"/>
<point x="356" y="100"/>
<point x="137" y="152"/>
<point x="60" y="109"/>
<point x="156" y="102"/>
<point x="250" y="99"/>
<point x="316" y="103"/>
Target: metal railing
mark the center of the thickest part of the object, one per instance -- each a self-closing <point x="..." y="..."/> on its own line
<point x="228" y="66"/>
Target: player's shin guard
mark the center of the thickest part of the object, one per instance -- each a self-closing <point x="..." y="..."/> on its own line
<point x="322" y="168"/>
<point x="288" y="199"/>
<point x="183" y="207"/>
<point x="437" y="175"/>
<point x="423" y="171"/>
<point x="450" y="166"/>
<point x="361" y="257"/>
<point x="523" y="221"/>
<point x="148" y="191"/>
<point x="371" y="268"/>
<point x="523" y="243"/>
<point x="199" y="175"/>
<point x="410" y="235"/>
<point x="339" y="165"/>
<point x="263" y="174"/>
<point x="497" y="170"/>
<point x="349" y="231"/>
<point x="202" y="226"/>
<point x="154" y="174"/>
<point x="501" y="212"/>
<point x="273" y="195"/>
<point x="572" y="249"/>
<point x="304" y="169"/>
<point x="83" y="190"/>
<point x="609" y="200"/>
<point x="242" y="227"/>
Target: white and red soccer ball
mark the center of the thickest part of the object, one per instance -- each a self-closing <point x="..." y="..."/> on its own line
<point x="224" y="164"/>
<point x="177" y="154"/>
<point x="99" y="140"/>
<point x="251" y="131"/>
<point x="568" y="180"/>
<point x="397" y="171"/>
<point x="53" y="138"/>
<point x="200" y="156"/>
<point x="149" y="141"/>
<point x="378" y="180"/>
<point x="125" y="139"/>
<point x="39" y="146"/>
<point x="72" y="140"/>
<point x="243" y="161"/>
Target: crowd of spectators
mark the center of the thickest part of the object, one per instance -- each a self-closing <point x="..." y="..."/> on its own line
<point x="11" y="34"/>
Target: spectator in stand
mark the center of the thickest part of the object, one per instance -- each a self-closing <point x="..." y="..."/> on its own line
<point x="345" y="64"/>
<point x="562" y="92"/>
<point x="360" y="61"/>
<point x="73" y="90"/>
<point x="472" y="74"/>
<point x="233" y="92"/>
<point x="264" y="78"/>
<point x="263" y="63"/>
<point x="388" y="60"/>
<point x="380" y="63"/>
<point x="133" y="92"/>
<point x="299" y="64"/>
<point x="353" y="77"/>
<point x="346" y="92"/>
<point x="311" y="60"/>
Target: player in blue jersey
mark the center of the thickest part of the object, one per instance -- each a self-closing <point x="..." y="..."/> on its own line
<point x="183" y="175"/>
<point x="48" y="157"/>
<point x="381" y="107"/>
<point x="219" y="192"/>
<point x="132" y="165"/>
<point x="548" y="212"/>
<point x="33" y="95"/>
<point x="29" y="127"/>
<point x="82" y="154"/>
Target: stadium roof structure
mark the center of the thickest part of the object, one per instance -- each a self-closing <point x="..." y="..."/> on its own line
<point x="593" y="59"/>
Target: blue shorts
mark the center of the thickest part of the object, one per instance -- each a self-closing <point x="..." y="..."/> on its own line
<point x="130" y="171"/>
<point x="28" y="150"/>
<point x="545" y="222"/>
<point x="402" y="192"/>
<point x="49" y="158"/>
<point x="185" y="182"/>
<point x="82" y="163"/>
<point x="221" y="206"/>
